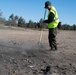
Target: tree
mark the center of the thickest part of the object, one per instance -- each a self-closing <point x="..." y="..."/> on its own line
<point x="11" y="17"/>
<point x="2" y="20"/>
<point x="41" y="24"/>
<point x="68" y="27"/>
<point x="0" y="14"/>
<point x="12" y="20"/>
<point x="21" y="22"/>
<point x="74" y="27"/>
<point x="16" y="20"/>
<point x="31" y="24"/>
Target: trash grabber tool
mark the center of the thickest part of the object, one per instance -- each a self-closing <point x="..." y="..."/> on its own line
<point x="41" y="32"/>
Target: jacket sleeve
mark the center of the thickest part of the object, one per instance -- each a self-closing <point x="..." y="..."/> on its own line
<point x="50" y="18"/>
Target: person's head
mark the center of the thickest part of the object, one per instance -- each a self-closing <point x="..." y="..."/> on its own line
<point x="48" y="5"/>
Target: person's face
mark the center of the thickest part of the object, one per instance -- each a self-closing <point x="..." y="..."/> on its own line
<point x="48" y="7"/>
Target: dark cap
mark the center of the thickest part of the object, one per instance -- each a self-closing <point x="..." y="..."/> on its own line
<point x="47" y="3"/>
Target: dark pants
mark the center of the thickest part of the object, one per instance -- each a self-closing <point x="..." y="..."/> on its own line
<point x="52" y="38"/>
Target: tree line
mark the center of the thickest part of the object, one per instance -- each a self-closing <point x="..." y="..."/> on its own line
<point x="20" y="22"/>
<point x="15" y="20"/>
<point x="68" y="27"/>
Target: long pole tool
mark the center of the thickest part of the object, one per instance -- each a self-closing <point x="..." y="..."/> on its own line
<point x="41" y="32"/>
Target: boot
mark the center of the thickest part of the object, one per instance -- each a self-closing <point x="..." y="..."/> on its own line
<point x="55" y="47"/>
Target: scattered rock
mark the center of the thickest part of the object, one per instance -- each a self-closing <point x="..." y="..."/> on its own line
<point x="54" y="74"/>
<point x="24" y="53"/>
<point x="14" y="73"/>
<point x="74" y="53"/>
<point x="46" y="71"/>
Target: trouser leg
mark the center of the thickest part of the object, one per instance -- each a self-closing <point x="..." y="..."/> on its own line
<point x="52" y="38"/>
<point x="54" y="42"/>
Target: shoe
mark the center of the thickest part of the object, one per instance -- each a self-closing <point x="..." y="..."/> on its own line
<point x="51" y="49"/>
<point x="56" y="48"/>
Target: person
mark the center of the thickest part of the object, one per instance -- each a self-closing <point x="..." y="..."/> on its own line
<point x="52" y="25"/>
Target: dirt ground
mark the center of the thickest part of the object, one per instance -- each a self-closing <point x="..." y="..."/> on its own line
<point x="20" y="53"/>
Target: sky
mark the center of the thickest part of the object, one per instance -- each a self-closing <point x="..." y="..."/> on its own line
<point x="34" y="9"/>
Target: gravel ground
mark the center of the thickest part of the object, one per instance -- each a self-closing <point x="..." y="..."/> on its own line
<point x="20" y="53"/>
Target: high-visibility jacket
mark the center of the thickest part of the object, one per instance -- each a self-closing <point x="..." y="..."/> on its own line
<point x="55" y="22"/>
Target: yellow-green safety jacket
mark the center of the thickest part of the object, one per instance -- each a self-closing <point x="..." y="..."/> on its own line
<point x="55" y="22"/>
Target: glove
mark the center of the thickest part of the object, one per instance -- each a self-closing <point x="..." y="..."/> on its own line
<point x="45" y="21"/>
